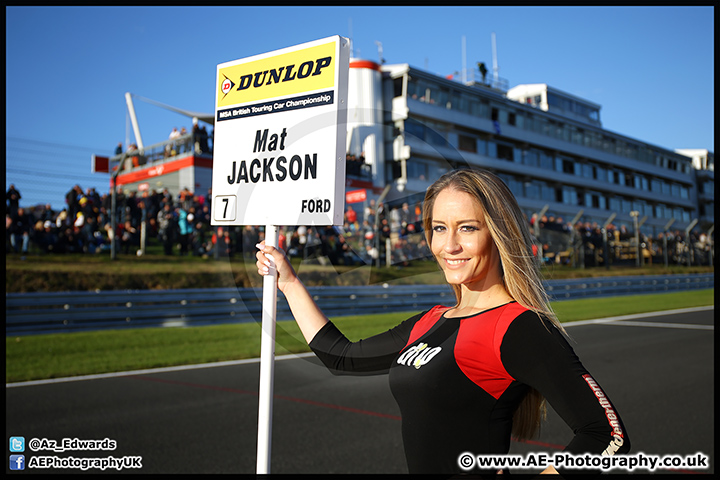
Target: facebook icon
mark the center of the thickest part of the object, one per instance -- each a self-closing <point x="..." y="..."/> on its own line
<point x="17" y="462"/>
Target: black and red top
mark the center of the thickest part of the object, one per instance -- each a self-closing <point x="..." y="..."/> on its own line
<point x="458" y="382"/>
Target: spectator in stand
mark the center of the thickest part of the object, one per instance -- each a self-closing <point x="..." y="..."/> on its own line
<point x="406" y="216"/>
<point x="202" y="225"/>
<point x="12" y="197"/>
<point x="72" y="198"/>
<point x="351" y="165"/>
<point x="224" y="242"/>
<point x="395" y="223"/>
<point x="345" y="253"/>
<point x="87" y="234"/>
<point x="185" y="144"/>
<point x="197" y="138"/>
<point x="170" y="148"/>
<point x="351" y="218"/>
<point x="128" y="237"/>
<point x="48" y="213"/>
<point x="132" y="160"/>
<point x="8" y="228"/>
<point x="369" y="213"/>
<point x="93" y="197"/>
<point x="20" y="227"/>
<point x="166" y="227"/>
<point x="68" y="240"/>
<point x="166" y="196"/>
<point x="384" y="231"/>
<point x="187" y="199"/>
<point x="48" y="240"/>
<point x="250" y="238"/>
<point x="204" y="147"/>
<point x="295" y="248"/>
<point x="185" y="228"/>
<point x="87" y="207"/>
<point x="132" y="210"/>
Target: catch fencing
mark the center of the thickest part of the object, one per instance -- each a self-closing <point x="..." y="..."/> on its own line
<point x="38" y="313"/>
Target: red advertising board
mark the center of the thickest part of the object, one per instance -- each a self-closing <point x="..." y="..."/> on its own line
<point x="355" y="196"/>
<point x="100" y="164"/>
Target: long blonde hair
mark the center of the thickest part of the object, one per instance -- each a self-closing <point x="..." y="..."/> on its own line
<point x="520" y="267"/>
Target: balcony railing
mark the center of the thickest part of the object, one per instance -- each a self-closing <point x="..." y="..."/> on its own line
<point x="189" y="144"/>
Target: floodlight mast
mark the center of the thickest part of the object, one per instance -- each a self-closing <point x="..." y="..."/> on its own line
<point x="133" y="119"/>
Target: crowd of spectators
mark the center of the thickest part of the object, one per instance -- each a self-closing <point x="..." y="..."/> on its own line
<point x="181" y="225"/>
<point x="354" y="164"/>
<point x="560" y="240"/>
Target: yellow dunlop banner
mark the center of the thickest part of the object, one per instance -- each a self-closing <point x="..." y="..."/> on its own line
<point x="291" y="73"/>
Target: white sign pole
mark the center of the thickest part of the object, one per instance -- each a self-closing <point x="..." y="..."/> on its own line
<point x="279" y="159"/>
<point x="267" y="360"/>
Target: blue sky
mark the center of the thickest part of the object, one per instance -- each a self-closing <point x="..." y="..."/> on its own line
<point x="68" y="68"/>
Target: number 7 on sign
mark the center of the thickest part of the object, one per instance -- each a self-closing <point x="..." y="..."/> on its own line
<point x="224" y="207"/>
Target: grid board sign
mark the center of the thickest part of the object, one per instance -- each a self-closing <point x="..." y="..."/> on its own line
<point x="279" y="139"/>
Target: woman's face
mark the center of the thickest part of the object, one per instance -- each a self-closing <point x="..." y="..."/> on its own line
<point x="461" y="241"/>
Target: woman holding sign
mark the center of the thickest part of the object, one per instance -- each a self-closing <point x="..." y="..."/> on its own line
<point x="466" y="377"/>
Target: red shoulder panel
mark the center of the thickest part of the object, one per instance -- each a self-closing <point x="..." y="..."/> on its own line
<point x="426" y="322"/>
<point x="477" y="349"/>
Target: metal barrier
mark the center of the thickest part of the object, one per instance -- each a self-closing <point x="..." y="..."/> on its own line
<point x="36" y="313"/>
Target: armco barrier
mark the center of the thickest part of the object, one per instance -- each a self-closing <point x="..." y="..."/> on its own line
<point x="35" y="313"/>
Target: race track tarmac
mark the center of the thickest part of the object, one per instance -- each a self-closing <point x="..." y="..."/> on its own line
<point x="658" y="371"/>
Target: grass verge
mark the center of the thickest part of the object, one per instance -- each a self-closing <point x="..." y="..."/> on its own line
<point x="87" y="272"/>
<point x="70" y="354"/>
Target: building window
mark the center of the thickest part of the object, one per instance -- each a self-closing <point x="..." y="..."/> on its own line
<point x="417" y="170"/>
<point x="659" y="210"/>
<point x="515" y="185"/>
<point x="547" y="192"/>
<point x="482" y="146"/>
<point x="443" y="97"/>
<point x="569" y="196"/>
<point x="546" y="160"/>
<point x="675" y="190"/>
<point x="595" y="200"/>
<point x="492" y="149"/>
<point x="467" y="144"/>
<point x="398" y="87"/>
<point x="530" y="158"/>
<point x="641" y="182"/>
<point x="435" y="137"/>
<point x="655" y="185"/>
<point x="568" y="166"/>
<point x="600" y="173"/>
<point x="629" y="179"/>
<point x="625" y="205"/>
<point x="587" y="170"/>
<point x="415" y="129"/>
<point x="532" y="190"/>
<point x="504" y="152"/>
